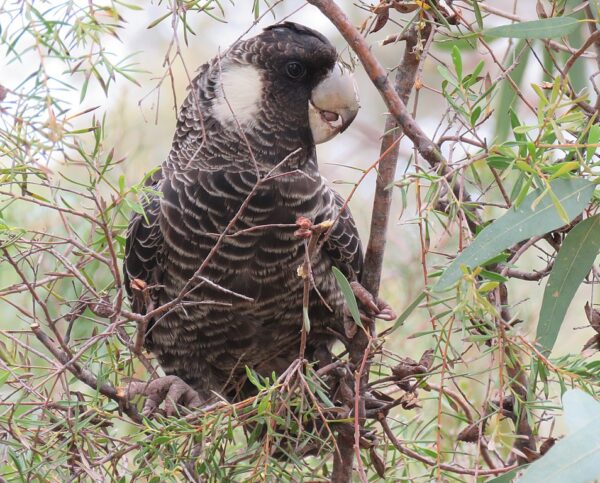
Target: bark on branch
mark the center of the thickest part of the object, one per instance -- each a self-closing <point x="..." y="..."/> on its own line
<point x="360" y="345"/>
<point x="86" y="376"/>
<point x="406" y="76"/>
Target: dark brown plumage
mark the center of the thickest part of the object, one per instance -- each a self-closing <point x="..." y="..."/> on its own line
<point x="226" y="137"/>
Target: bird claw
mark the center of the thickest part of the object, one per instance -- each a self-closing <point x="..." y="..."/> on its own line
<point x="378" y="308"/>
<point x="171" y="390"/>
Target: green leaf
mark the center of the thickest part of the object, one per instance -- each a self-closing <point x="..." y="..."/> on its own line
<point x="478" y="16"/>
<point x="580" y="408"/>
<point x="457" y="60"/>
<point x="475" y="115"/>
<point x="593" y="138"/>
<point x="155" y="22"/>
<point x="559" y="208"/>
<point x="546" y="28"/>
<point x="404" y="315"/>
<point x="263" y="406"/>
<point x="250" y="374"/>
<point x="496" y="277"/>
<point x="576" y="457"/>
<point x="573" y="263"/>
<point x="508" y="97"/>
<point x="564" y="168"/>
<point x="578" y="74"/>
<point x="507" y="477"/>
<point x="4" y="375"/>
<point x="445" y="73"/>
<point x="348" y="295"/>
<point x="520" y="223"/>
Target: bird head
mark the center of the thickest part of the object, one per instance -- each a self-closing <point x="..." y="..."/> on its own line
<point x="286" y="81"/>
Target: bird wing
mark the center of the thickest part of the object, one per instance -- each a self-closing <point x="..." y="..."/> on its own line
<point x="343" y="245"/>
<point x="143" y="250"/>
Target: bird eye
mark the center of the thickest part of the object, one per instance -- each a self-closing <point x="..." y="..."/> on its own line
<point x="295" y="69"/>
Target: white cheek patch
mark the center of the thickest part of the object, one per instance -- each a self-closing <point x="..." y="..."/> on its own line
<point x="238" y="100"/>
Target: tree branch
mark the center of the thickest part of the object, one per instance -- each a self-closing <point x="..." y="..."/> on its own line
<point x="86" y="376"/>
<point x="360" y="345"/>
<point x="423" y="459"/>
<point x="406" y="75"/>
<point x="379" y="77"/>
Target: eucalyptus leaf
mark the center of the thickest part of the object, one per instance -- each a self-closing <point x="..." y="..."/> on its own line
<point x="520" y="223"/>
<point x="507" y="97"/>
<point x="573" y="263"/>
<point x="404" y="315"/>
<point x="507" y="477"/>
<point x="457" y="60"/>
<point x="348" y="295"/>
<point x="593" y="138"/>
<point x="580" y="408"/>
<point x="576" y="457"/>
<point x="546" y="28"/>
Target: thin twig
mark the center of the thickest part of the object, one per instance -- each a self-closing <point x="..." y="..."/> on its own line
<point x="86" y="376"/>
<point x="379" y="77"/>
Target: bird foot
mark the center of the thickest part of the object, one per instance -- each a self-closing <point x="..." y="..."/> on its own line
<point x="377" y="308"/>
<point x="170" y="390"/>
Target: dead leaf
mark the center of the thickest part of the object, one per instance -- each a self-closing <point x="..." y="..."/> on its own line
<point x="380" y="21"/>
<point x="531" y="455"/>
<point x="546" y="445"/>
<point x="405" y="7"/>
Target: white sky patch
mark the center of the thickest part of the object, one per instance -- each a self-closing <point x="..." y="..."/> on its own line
<point x="240" y="97"/>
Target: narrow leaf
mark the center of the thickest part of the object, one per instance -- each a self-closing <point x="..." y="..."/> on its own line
<point x="404" y="315"/>
<point x="573" y="263"/>
<point x="478" y="16"/>
<point x="546" y="28"/>
<point x="4" y="375"/>
<point x="457" y="60"/>
<point x="508" y="97"/>
<point x="348" y="295"/>
<point x="520" y="223"/>
<point x="593" y="138"/>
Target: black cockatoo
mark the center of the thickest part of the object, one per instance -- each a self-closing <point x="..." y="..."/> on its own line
<point x="256" y="111"/>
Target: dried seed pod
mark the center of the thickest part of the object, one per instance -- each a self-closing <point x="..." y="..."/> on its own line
<point x="546" y="445"/>
<point x="381" y="20"/>
<point x="378" y="462"/>
<point x="471" y="433"/>
<point x="593" y="316"/>
<point x="408" y="368"/>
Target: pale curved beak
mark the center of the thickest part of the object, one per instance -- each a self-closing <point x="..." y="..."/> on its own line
<point x="333" y="104"/>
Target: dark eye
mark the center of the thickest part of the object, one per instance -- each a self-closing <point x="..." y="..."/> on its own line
<point x="295" y="69"/>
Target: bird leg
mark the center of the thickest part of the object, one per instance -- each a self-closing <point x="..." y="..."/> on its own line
<point x="170" y="390"/>
<point x="376" y="307"/>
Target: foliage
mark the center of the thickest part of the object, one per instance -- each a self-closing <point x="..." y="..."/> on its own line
<point x="575" y="457"/>
<point x="516" y="195"/>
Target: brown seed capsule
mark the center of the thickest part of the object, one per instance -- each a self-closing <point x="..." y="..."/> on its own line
<point x="546" y="445"/>
<point x="377" y="461"/>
